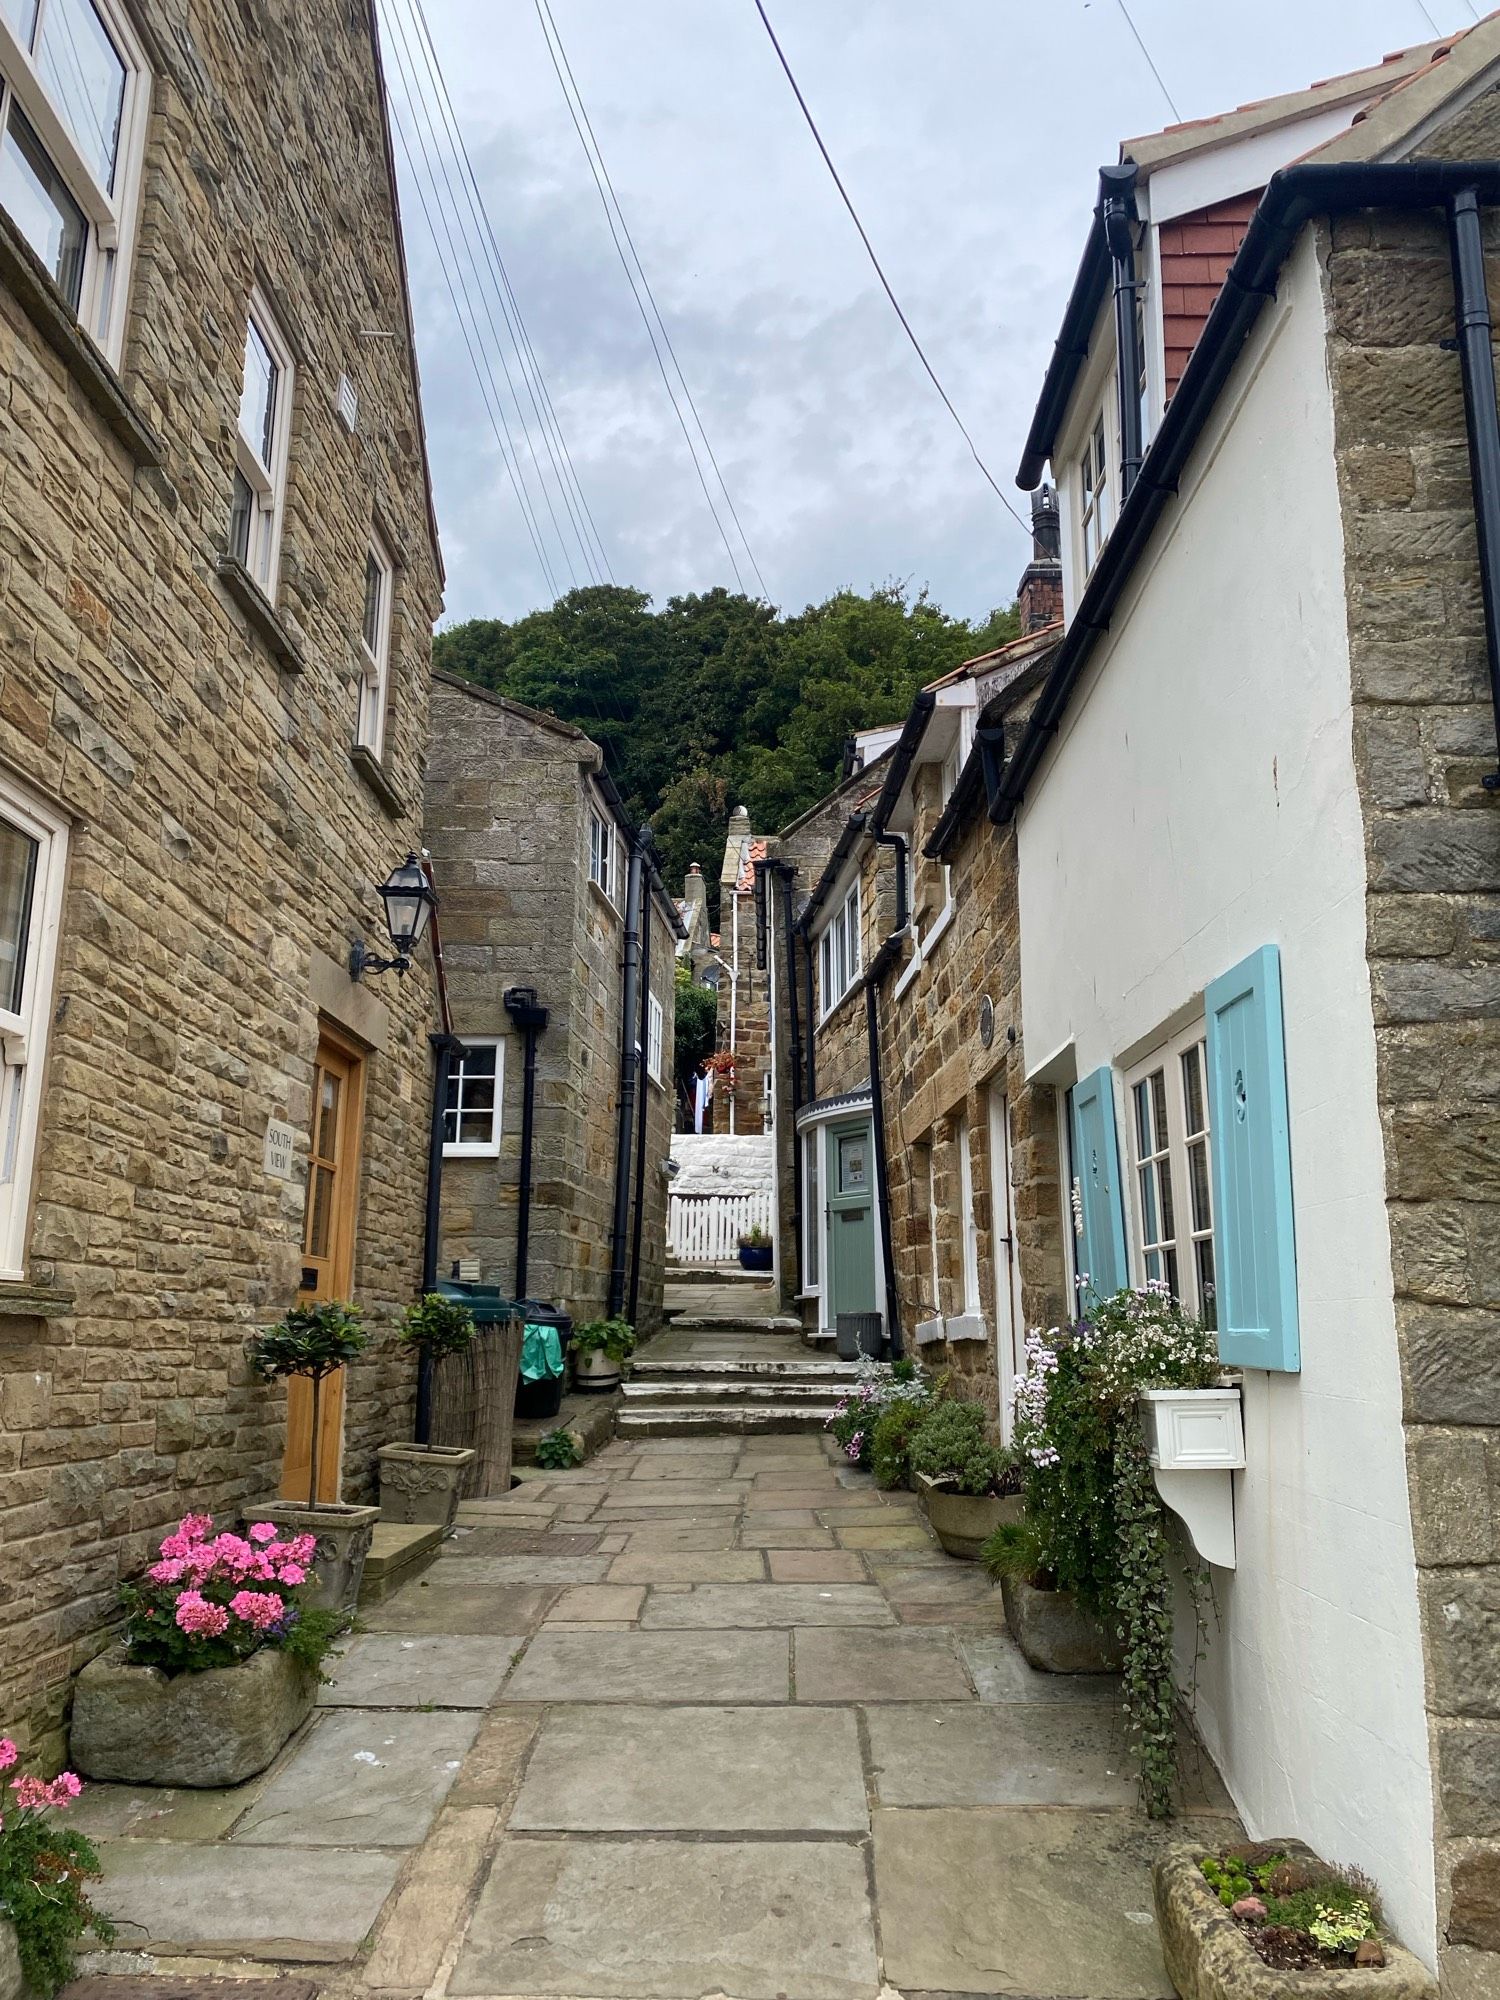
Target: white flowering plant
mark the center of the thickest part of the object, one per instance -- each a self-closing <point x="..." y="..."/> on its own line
<point x="877" y="1386"/>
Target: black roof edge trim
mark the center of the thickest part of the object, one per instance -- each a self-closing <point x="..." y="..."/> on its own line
<point x="854" y="826"/>
<point x="1090" y="289"/>
<point x="907" y="744"/>
<point x="971" y="782"/>
<point x="1293" y="197"/>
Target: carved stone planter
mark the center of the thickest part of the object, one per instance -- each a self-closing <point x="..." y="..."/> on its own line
<point x="964" y="1522"/>
<point x="140" y="1726"/>
<point x="343" y="1536"/>
<point x="1055" y="1633"/>
<point x="12" y="1985"/>
<point x="1209" y="1957"/>
<point x="423" y="1484"/>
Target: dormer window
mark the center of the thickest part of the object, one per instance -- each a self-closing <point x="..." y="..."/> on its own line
<point x="1093" y="490"/>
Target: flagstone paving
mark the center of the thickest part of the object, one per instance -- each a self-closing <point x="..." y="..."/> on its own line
<point x="711" y="1716"/>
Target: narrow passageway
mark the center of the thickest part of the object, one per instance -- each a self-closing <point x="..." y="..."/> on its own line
<point x="708" y="1714"/>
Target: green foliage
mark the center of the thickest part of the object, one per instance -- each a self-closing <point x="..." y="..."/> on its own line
<point x="43" y="1869"/>
<point x="1228" y="1877"/>
<point x="559" y="1450"/>
<point x="755" y="1239"/>
<point x="717" y="699"/>
<point x="891" y="1439"/>
<point x="613" y="1337"/>
<point x="880" y="1384"/>
<point x="1338" y="1930"/>
<point x="310" y="1341"/>
<point x="1143" y="1599"/>
<point x="952" y="1442"/>
<point x="437" y="1326"/>
<point x="1014" y="1549"/>
<point x="312" y="1637"/>
<point x="695" y="1025"/>
<point x="1337" y="1908"/>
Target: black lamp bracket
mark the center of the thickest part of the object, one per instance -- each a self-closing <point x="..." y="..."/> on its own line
<point x="363" y="960"/>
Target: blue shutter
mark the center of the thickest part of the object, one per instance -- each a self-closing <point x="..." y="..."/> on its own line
<point x="1096" y="1162"/>
<point x="1255" y="1250"/>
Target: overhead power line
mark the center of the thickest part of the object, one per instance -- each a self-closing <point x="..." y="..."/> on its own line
<point x="879" y="272"/>
<point x="633" y="268"/>
<point x="1150" y="61"/>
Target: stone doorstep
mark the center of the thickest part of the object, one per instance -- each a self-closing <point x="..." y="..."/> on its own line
<point x="398" y="1552"/>
<point x="593" y="1417"/>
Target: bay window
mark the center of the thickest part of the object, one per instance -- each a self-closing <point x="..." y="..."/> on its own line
<point x="74" y="94"/>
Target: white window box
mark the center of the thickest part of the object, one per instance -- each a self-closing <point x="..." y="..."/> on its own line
<point x="1196" y="1438"/>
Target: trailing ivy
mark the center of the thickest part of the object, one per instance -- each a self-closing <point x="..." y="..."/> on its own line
<point x="1143" y="1601"/>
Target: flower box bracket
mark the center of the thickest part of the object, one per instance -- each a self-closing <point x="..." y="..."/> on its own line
<point x="1196" y="1439"/>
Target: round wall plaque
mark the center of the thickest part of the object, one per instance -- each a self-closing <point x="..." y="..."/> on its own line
<point x="986" y="1021"/>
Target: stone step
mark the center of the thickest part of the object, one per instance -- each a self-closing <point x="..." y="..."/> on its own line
<point x="737" y="1368"/>
<point x="721" y="1419"/>
<point x="716" y="1274"/>
<point x="398" y="1552"/>
<point x="684" y="1322"/>
<point x="661" y="1394"/>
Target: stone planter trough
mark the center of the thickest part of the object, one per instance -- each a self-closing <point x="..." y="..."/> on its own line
<point x="343" y="1534"/>
<point x="12" y="1985"/>
<point x="594" y="1374"/>
<point x="423" y="1484"/>
<point x="1208" y="1956"/>
<point x="1055" y="1633"/>
<point x="140" y="1726"/>
<point x="964" y="1522"/>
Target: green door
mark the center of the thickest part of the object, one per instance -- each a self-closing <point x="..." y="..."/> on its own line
<point x="851" y="1218"/>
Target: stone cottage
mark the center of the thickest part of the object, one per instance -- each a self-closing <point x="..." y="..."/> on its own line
<point x="218" y="577"/>
<point x="548" y="890"/>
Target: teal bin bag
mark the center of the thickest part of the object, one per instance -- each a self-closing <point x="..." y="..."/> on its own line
<point x="541" y="1352"/>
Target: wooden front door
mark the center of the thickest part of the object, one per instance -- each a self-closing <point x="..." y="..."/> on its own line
<point x="328" y="1227"/>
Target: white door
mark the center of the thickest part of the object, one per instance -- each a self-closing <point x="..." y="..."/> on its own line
<point x="1010" y="1329"/>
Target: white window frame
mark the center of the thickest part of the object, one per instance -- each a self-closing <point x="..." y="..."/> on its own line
<point x="478" y="1149"/>
<point x="813" y="1200"/>
<point x="1095" y="490"/>
<point x="602" y="844"/>
<point x="267" y="482"/>
<point x="840" y="951"/>
<point x="109" y="212"/>
<point x="934" y="1248"/>
<point x="1191" y="1244"/>
<point x="375" y="661"/>
<point x="968" y="1219"/>
<point x="655" y="1035"/>
<point x="23" y="1033"/>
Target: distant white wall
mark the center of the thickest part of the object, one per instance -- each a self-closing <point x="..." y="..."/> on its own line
<point x="723" y="1162"/>
<point x="1199" y="802"/>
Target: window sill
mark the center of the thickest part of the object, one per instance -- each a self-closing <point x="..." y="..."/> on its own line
<point x="25" y="277"/>
<point x="966" y="1326"/>
<point x="927" y="1331"/>
<point x="848" y="994"/>
<point x="603" y="896"/>
<point x="471" y="1152"/>
<point x="19" y="1300"/>
<point x="376" y="777"/>
<point x="265" y="621"/>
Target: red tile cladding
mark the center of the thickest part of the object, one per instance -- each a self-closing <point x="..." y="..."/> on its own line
<point x="1196" y="251"/>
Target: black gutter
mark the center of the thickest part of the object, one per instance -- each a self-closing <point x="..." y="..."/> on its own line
<point x="444" y="1049"/>
<point x="981" y="773"/>
<point x="1118" y="218"/>
<point x="643" y="1101"/>
<point x="810" y="1039"/>
<point x="629" y="1064"/>
<point x="902" y="757"/>
<point x="880" y="965"/>
<point x="1069" y="354"/>
<point x="1481" y="416"/>
<point x="758" y="896"/>
<point x="786" y="875"/>
<point x="531" y="1019"/>
<point x="1294" y="197"/>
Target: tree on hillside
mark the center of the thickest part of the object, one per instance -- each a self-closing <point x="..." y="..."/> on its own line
<point x="717" y="700"/>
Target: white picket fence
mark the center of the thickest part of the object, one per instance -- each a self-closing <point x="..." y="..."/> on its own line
<point x="706" y="1228"/>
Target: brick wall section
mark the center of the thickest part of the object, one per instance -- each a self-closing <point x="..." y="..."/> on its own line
<point x="221" y="838"/>
<point x="1196" y="251"/>
<point x="1424" y="735"/>
<point x="508" y="798"/>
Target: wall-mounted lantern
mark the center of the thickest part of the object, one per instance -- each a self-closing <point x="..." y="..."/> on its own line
<point x="409" y="903"/>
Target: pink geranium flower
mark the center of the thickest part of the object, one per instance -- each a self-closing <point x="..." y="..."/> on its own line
<point x="291" y="1573"/>
<point x="200" y="1619"/>
<point x="259" y="1608"/>
<point x="263" y="1531"/>
<point x="8" y="1753"/>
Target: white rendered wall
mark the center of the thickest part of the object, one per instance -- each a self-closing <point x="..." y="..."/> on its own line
<point x="723" y="1162"/>
<point x="1200" y="801"/>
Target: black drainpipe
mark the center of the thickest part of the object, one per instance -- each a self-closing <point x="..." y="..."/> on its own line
<point x="810" y="1039"/>
<point x="444" y="1049"/>
<point x="1471" y="302"/>
<point x="531" y="1019"/>
<point x="903" y="899"/>
<point x="629" y="1001"/>
<point x="643" y="1095"/>
<point x="883" y="958"/>
<point x="786" y="874"/>
<point x="1117" y="212"/>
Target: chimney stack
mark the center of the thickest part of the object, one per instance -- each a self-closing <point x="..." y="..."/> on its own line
<point x="1039" y="598"/>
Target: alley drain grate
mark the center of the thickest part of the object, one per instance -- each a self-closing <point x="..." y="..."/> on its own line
<point x="520" y="1542"/>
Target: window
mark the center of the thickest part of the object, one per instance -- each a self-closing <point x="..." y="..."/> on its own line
<point x="839" y="952"/>
<point x="655" y="1021"/>
<point x="260" y="449"/>
<point x="471" y="1116"/>
<point x="73" y="100"/>
<point x="601" y="853"/>
<point x="812" y="1211"/>
<point x="1093" y="478"/>
<point x="33" y="847"/>
<point x="1169" y="1136"/>
<point x="969" y="1218"/>
<point x="375" y="646"/>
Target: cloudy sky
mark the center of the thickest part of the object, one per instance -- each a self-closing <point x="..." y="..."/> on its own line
<point x="968" y="133"/>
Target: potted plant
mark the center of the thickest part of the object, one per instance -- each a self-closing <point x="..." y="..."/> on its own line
<point x="1259" y="1920"/>
<point x="312" y="1342"/>
<point x="422" y="1483"/>
<point x="1051" y="1627"/>
<point x="967" y="1483"/>
<point x="219" y="1663"/>
<point x="878" y="1386"/>
<point x="601" y="1348"/>
<point x="44" y="1909"/>
<point x="755" y="1250"/>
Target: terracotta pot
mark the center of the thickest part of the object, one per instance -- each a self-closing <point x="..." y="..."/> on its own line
<point x="964" y="1522"/>
<point x="423" y="1484"/>
<point x="343" y="1536"/>
<point x="594" y="1374"/>
<point x="140" y="1726"/>
<point x="1055" y="1633"/>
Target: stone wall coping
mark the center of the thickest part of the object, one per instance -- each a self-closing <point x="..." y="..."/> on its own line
<point x="20" y="1300"/>
<point x="265" y="620"/>
<point x="25" y="277"/>
<point x="377" y="778"/>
